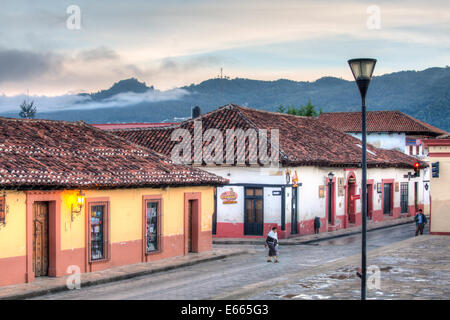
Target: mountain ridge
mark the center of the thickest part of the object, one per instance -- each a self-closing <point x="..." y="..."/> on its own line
<point x="423" y="94"/>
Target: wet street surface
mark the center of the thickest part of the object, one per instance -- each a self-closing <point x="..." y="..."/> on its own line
<point x="417" y="270"/>
<point x="216" y="278"/>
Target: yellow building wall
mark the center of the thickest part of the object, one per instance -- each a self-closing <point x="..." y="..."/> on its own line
<point x="440" y="191"/>
<point x="13" y="234"/>
<point x="126" y="213"/>
<point x="125" y="216"/>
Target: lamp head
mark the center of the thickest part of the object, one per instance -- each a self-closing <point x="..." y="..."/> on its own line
<point x="330" y="176"/>
<point x="362" y="69"/>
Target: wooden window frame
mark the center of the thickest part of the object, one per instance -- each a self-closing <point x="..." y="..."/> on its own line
<point x="106" y="229"/>
<point x="145" y="200"/>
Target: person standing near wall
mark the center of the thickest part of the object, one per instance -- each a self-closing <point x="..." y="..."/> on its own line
<point x="316" y="225"/>
<point x="272" y="243"/>
<point x="421" y="221"/>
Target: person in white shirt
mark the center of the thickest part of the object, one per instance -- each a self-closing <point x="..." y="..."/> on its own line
<point x="272" y="243"/>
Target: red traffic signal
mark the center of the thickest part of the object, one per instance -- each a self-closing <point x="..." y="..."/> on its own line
<point x="417" y="169"/>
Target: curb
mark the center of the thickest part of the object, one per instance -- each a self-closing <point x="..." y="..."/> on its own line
<point x="307" y="241"/>
<point x="89" y="283"/>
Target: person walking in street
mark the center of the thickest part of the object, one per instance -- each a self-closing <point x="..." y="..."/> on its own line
<point x="421" y="221"/>
<point x="316" y="225"/>
<point x="272" y="243"/>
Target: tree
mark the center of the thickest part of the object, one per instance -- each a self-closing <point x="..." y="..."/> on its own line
<point x="27" y="110"/>
<point x="307" y="110"/>
<point x="281" y="109"/>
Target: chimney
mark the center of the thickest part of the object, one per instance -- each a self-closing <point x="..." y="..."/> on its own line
<point x="196" y="112"/>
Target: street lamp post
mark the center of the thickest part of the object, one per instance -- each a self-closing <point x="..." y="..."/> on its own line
<point x="330" y="185"/>
<point x="362" y="70"/>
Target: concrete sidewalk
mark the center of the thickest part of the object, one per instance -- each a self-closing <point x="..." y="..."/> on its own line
<point x="321" y="236"/>
<point x="45" y="285"/>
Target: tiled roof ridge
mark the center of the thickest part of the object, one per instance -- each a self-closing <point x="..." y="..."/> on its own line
<point x="78" y="122"/>
<point x="272" y="112"/>
<point x="425" y="126"/>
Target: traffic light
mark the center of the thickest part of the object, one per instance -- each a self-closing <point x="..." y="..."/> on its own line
<point x="435" y="170"/>
<point x="416" y="169"/>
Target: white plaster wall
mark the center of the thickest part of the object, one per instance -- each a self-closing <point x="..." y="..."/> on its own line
<point x="384" y="140"/>
<point x="231" y="213"/>
<point x="272" y="206"/>
<point x="250" y="174"/>
<point x="309" y="205"/>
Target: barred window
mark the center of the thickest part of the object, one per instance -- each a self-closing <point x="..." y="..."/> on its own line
<point x="98" y="231"/>
<point x="152" y="225"/>
<point x="404" y="194"/>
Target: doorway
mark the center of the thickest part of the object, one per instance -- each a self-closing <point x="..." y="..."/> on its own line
<point x="351" y="190"/>
<point x="387" y="198"/>
<point x="254" y="212"/>
<point x="369" y="201"/>
<point x="192" y="222"/>
<point x="40" y="238"/>
<point x="416" y="196"/>
<point x="190" y="225"/>
<point x="214" y="217"/>
<point x="294" y="219"/>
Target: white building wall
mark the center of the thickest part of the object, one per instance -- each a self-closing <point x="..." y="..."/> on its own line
<point x="384" y="140"/>
<point x="309" y="205"/>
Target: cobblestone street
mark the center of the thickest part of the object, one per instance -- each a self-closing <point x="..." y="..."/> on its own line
<point x="417" y="269"/>
<point x="218" y="279"/>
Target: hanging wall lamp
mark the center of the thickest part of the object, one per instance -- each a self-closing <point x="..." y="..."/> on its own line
<point x="78" y="206"/>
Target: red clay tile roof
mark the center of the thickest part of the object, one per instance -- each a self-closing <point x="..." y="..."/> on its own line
<point x="114" y="126"/>
<point x="57" y="154"/>
<point x="379" y="121"/>
<point x="303" y="140"/>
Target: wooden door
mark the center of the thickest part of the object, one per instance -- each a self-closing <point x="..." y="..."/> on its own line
<point x="214" y="218"/>
<point x="40" y="239"/>
<point x="294" y="211"/>
<point x="416" y="196"/>
<point x="254" y="212"/>
<point x="387" y="198"/>
<point x="191" y="204"/>
<point x="369" y="201"/>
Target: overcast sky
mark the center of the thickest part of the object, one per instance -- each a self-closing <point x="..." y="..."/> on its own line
<point x="172" y="43"/>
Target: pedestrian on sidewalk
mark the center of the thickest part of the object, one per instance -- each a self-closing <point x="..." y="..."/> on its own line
<point x="272" y="243"/>
<point x="316" y="225"/>
<point x="421" y="221"/>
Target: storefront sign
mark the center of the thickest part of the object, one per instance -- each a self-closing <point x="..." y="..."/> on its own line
<point x="321" y="191"/>
<point x="378" y="187"/>
<point x="229" y="197"/>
